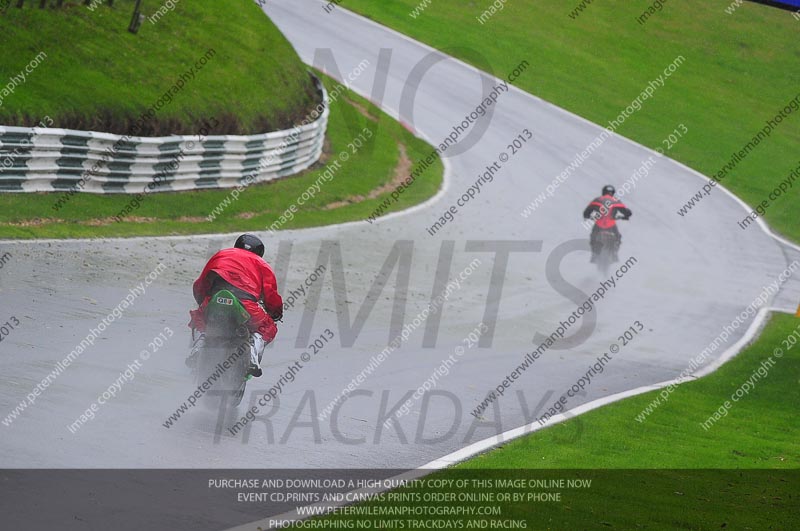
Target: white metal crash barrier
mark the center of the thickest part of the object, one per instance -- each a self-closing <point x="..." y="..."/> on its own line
<point x="48" y="160"/>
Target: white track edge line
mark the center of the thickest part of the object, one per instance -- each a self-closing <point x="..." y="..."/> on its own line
<point x="490" y="442"/>
<point x="759" y="220"/>
<point x="482" y="446"/>
<point x="447" y="168"/>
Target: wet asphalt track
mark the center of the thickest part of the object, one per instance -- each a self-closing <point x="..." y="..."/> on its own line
<point x="693" y="275"/>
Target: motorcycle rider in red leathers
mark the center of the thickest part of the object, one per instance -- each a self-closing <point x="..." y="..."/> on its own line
<point x="604" y="210"/>
<point x="242" y="271"/>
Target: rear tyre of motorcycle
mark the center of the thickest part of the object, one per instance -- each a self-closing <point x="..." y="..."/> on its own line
<point x="229" y="385"/>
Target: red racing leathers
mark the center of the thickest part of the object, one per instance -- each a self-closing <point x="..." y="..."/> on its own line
<point x="604" y="210"/>
<point x="248" y="272"/>
<point x="606" y="206"/>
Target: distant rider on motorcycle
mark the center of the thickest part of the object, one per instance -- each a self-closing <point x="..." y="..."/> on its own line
<point x="604" y="211"/>
<point x="242" y="271"/>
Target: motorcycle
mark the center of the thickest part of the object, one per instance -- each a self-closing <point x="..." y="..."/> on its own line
<point x="224" y="359"/>
<point x="609" y="246"/>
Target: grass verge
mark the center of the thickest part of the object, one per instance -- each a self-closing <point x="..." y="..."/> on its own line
<point x="665" y="472"/>
<point x="736" y="75"/>
<point x="759" y="431"/>
<point x="92" y="74"/>
<point x="361" y="184"/>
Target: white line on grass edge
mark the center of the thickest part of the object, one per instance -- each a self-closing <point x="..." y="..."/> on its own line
<point x="490" y="442"/>
<point x="744" y="205"/>
<point x="487" y="444"/>
<point x="446" y="179"/>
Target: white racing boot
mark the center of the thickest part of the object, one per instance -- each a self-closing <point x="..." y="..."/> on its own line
<point x="257" y="345"/>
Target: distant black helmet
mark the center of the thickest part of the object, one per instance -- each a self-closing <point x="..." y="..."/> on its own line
<point x="250" y="243"/>
<point x="609" y="190"/>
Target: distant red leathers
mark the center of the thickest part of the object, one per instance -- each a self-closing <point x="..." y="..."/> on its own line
<point x="605" y="206"/>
